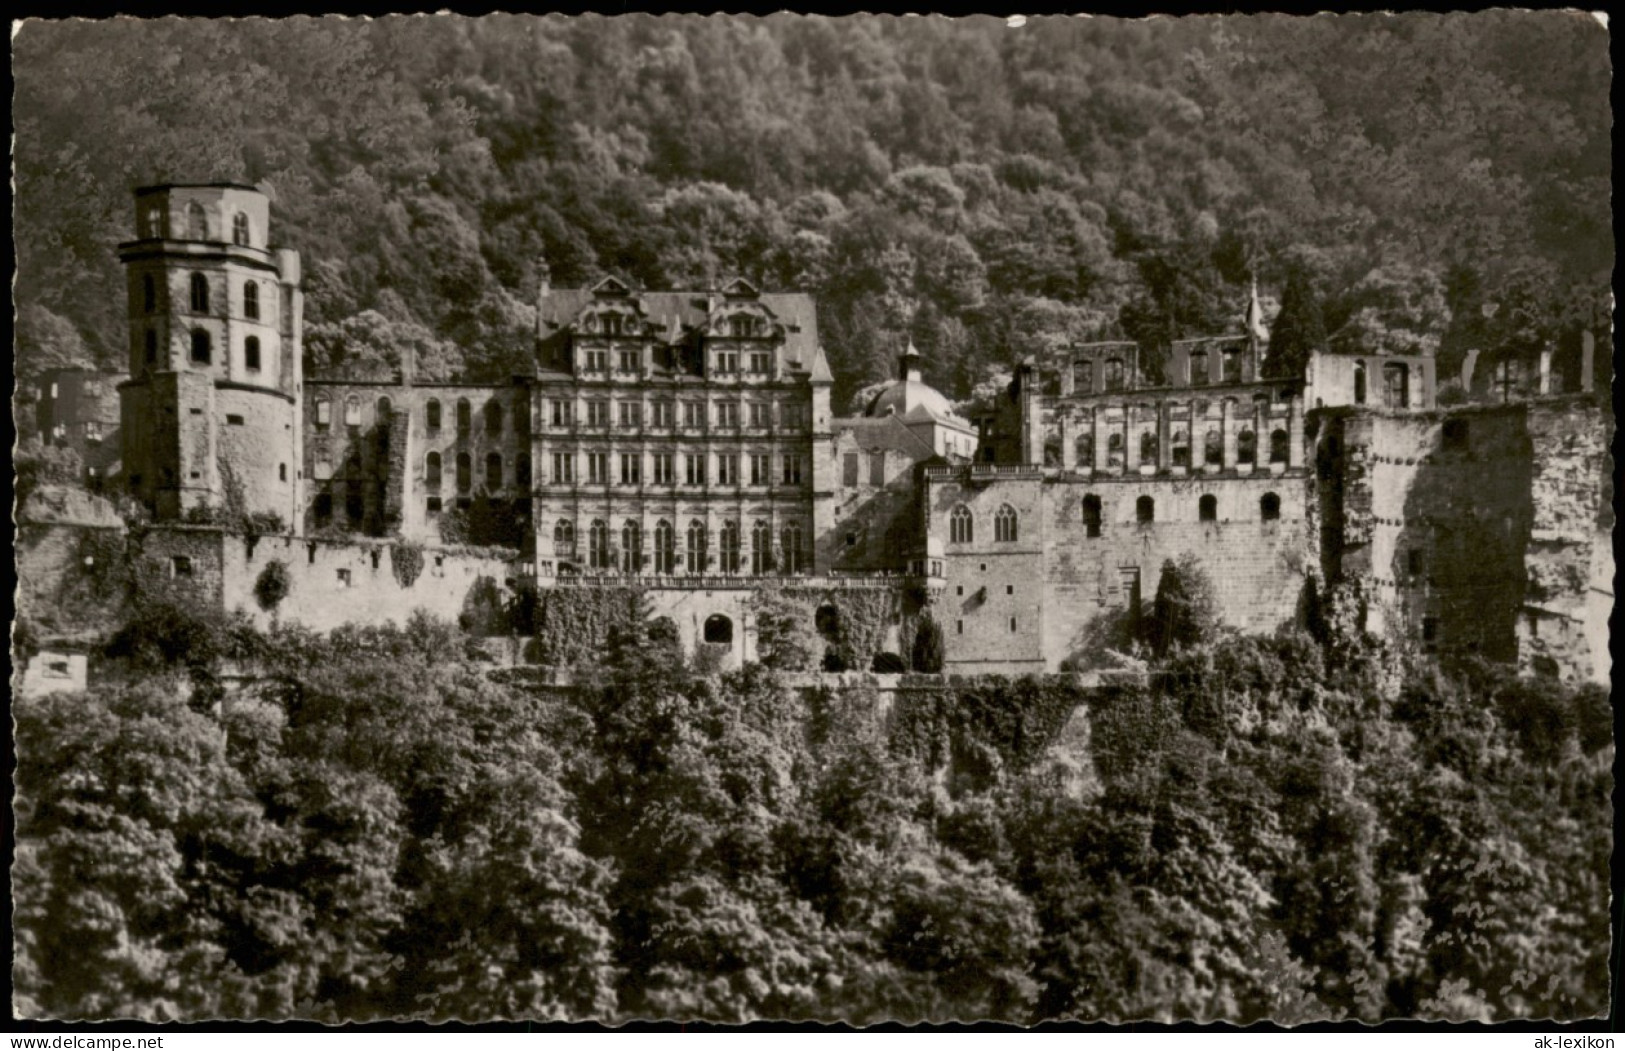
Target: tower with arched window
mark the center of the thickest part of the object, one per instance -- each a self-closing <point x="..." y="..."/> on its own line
<point x="214" y="404"/>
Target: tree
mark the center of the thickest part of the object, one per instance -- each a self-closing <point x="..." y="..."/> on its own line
<point x="1298" y="330"/>
<point x="926" y="656"/>
<point x="1185" y="610"/>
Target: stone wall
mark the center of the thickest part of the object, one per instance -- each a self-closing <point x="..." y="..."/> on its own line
<point x="335" y="582"/>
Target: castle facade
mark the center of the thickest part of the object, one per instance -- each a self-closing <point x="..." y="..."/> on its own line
<point x="684" y="442"/>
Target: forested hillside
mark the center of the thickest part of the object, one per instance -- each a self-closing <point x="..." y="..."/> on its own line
<point x="383" y="828"/>
<point x="1422" y="181"/>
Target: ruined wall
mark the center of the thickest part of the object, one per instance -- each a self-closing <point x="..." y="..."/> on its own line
<point x="335" y="582"/>
<point x="1568" y="562"/>
<point x="72" y="578"/>
<point x="875" y="514"/>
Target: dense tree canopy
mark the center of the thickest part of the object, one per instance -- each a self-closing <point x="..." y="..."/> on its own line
<point x="383" y="827"/>
<point x="987" y="190"/>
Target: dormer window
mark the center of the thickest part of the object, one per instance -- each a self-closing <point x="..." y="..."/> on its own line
<point x="612" y="324"/>
<point x="745" y="325"/>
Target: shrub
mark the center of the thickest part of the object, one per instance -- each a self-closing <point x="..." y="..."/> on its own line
<point x="406" y="562"/>
<point x="273" y="585"/>
<point x="1185" y="611"/>
<point x="927" y="653"/>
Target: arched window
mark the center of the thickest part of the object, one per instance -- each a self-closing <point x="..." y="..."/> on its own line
<point x="1279" y="442"/>
<point x="790" y="545"/>
<point x="465" y="416"/>
<point x="719" y="630"/>
<point x="1004" y="524"/>
<point x="352" y="411"/>
<point x="1145" y="510"/>
<point x="1232" y="366"/>
<point x="465" y="473"/>
<point x="239" y="229"/>
<point x="761" y="548"/>
<point x="149" y="293"/>
<point x="197" y="223"/>
<point x="1148" y="448"/>
<point x="200" y="294"/>
<point x="961" y="525"/>
<point x="631" y="547"/>
<point x="730" y="547"/>
<point x="1199" y="375"/>
<point x="324" y="411"/>
<point x="1085" y="450"/>
<point x="493" y="418"/>
<point x="1091" y="515"/>
<point x="1359" y="383"/>
<point x="251" y="301"/>
<point x="382" y="410"/>
<point x="564" y="538"/>
<point x="1114" y="373"/>
<point x="202" y="348"/>
<point x="1396" y="385"/>
<point x="1247" y="447"/>
<point x="696" y="547"/>
<point x="431" y="471"/>
<point x="521" y="471"/>
<point x="493" y="471"/>
<point x="433" y="412"/>
<point x="152" y="347"/>
<point x="1269" y="507"/>
<point x="1207" y="508"/>
<point x="1114" y="449"/>
<point x="251" y="353"/>
<point x="1213" y="447"/>
<point x="598" y="545"/>
<point x="665" y="548"/>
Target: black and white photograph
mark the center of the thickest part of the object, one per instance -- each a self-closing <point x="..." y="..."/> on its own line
<point x="849" y="519"/>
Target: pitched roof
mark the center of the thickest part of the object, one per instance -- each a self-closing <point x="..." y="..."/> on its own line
<point x="884" y="432"/>
<point x="688" y="310"/>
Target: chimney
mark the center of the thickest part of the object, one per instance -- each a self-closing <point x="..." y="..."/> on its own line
<point x="544" y="288"/>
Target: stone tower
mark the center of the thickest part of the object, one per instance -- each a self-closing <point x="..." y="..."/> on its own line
<point x="211" y="417"/>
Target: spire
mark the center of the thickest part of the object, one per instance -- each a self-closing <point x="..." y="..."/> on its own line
<point x="820" y="368"/>
<point x="1254" y="321"/>
<point x="910" y="363"/>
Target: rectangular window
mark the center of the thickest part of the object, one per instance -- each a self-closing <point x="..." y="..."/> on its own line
<point x="794" y="417"/>
<point x="877" y="468"/>
<point x="761" y="469"/>
<point x="694" y="468"/>
<point x="760" y="362"/>
<point x="598" y="468"/>
<point x="434" y="505"/>
<point x="727" y="362"/>
<point x="959" y="627"/>
<point x="792" y="469"/>
<point x="631" y="414"/>
<point x="758" y="415"/>
<point x="663" y="469"/>
<point x="727" y="469"/>
<point x="598" y="414"/>
<point x="1414" y="562"/>
<point x="661" y="414"/>
<point x="344" y="578"/>
<point x="561" y="414"/>
<point x="849" y="469"/>
<point x="564" y="467"/>
<point x="597" y="361"/>
<point x="629" y="360"/>
<point x="631" y="468"/>
<point x="693" y="415"/>
<point x="180" y="566"/>
<point x="727" y="415"/>
<point x="234" y="420"/>
<point x="1012" y="625"/>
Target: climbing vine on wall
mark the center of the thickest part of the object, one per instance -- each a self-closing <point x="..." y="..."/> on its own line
<point x="273" y="585"/>
<point x="93" y="583"/>
<point x="863" y="619"/>
<point x="1014" y="719"/>
<point x="572" y="624"/>
<point x="406" y="562"/>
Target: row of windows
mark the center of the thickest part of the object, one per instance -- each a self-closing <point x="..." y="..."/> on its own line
<point x="695" y="549"/>
<point x="198" y="287"/>
<point x="202" y="344"/>
<point x="664" y="414"/>
<point x="609" y="323"/>
<point x="1180" y="452"/>
<point x="962" y="522"/>
<point x="197" y="224"/>
<point x="352" y="411"/>
<point x="756" y="469"/>
<point x="723" y="362"/>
